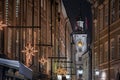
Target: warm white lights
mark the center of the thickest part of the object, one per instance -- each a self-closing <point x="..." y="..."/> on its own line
<point x="2" y="25"/>
<point x="29" y="51"/>
<point x="61" y="71"/>
<point x="43" y="60"/>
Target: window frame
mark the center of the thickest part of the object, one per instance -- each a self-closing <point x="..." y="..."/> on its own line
<point x="112" y="46"/>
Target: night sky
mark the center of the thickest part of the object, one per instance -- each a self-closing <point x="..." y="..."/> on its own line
<point x="79" y="8"/>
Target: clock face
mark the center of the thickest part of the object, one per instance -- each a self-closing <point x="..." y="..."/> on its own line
<point x="80" y="43"/>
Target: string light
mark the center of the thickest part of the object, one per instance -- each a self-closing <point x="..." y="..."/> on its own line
<point x="61" y="71"/>
<point x="43" y="60"/>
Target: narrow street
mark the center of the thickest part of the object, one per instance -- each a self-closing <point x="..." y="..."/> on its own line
<point x="59" y="39"/>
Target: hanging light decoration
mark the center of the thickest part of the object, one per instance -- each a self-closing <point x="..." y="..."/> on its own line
<point x="29" y="51"/>
<point x="64" y="71"/>
<point x="43" y="60"/>
<point x="2" y="25"/>
<point x="61" y="71"/>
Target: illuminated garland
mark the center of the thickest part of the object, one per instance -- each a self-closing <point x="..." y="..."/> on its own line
<point x="29" y="51"/>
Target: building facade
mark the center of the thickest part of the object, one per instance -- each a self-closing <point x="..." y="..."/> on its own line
<point x="106" y="31"/>
<point x="37" y="24"/>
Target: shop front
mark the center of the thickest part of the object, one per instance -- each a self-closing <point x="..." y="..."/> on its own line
<point x="14" y="70"/>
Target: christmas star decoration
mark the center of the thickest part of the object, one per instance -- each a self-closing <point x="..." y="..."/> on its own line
<point x="43" y="60"/>
<point x="2" y="25"/>
<point x="61" y="71"/>
<point x="29" y="51"/>
<point x="64" y="72"/>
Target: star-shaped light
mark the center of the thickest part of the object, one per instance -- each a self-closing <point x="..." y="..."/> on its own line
<point x="29" y="51"/>
<point x="64" y="72"/>
<point x="2" y="25"/>
<point x="59" y="71"/>
<point x="43" y="60"/>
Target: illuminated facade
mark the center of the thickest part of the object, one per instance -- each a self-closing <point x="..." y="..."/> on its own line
<point x="38" y="22"/>
<point x="106" y="43"/>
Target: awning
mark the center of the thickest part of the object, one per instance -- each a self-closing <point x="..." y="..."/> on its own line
<point x="24" y="70"/>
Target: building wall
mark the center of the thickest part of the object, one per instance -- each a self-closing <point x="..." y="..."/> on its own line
<point x="100" y="39"/>
<point x="34" y="24"/>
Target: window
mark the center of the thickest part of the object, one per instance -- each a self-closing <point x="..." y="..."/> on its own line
<point x="95" y="27"/>
<point x="80" y="58"/>
<point x="118" y="45"/>
<point x="17" y="44"/>
<point x="41" y="3"/>
<point x="119" y="9"/>
<point x="44" y="4"/>
<point x="112" y="50"/>
<point x="106" y="52"/>
<point x="9" y="42"/>
<point x="101" y="19"/>
<point x="96" y="59"/>
<point x="112" y="10"/>
<point x="106" y="15"/>
<point x="101" y="54"/>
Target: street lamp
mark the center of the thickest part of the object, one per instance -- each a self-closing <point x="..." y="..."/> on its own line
<point x="97" y="73"/>
<point x="80" y="70"/>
